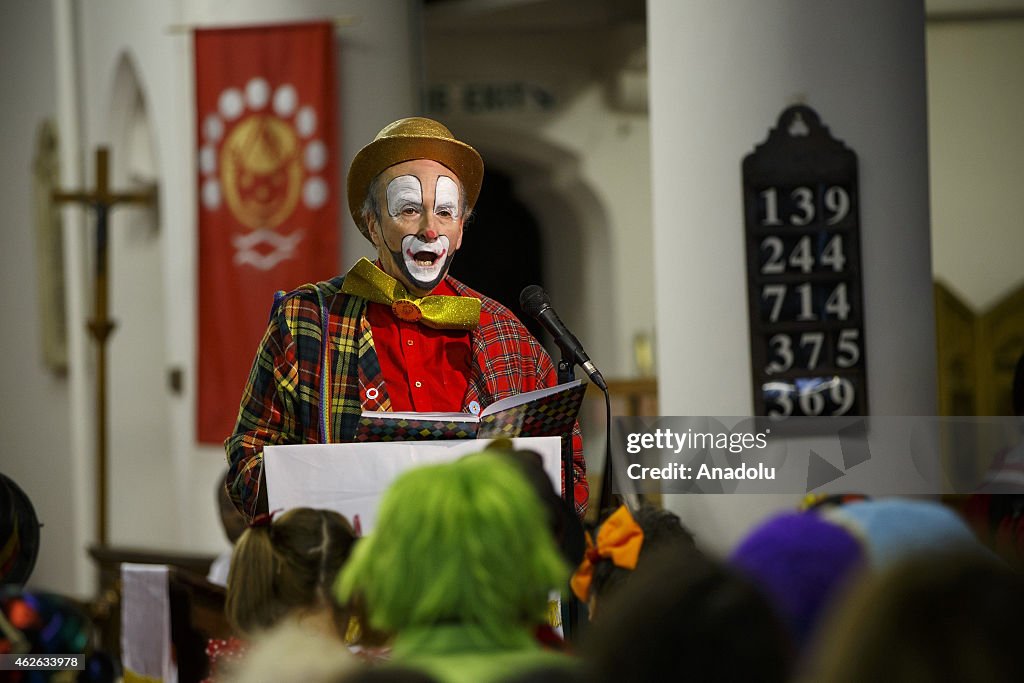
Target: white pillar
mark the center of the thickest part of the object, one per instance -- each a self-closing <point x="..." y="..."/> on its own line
<point x="721" y="72"/>
<point x="381" y="81"/>
<point x="82" y="455"/>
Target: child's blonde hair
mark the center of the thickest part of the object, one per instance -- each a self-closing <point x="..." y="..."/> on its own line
<point x="287" y="565"/>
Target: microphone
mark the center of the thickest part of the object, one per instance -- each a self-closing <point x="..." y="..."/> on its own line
<point x="536" y="303"/>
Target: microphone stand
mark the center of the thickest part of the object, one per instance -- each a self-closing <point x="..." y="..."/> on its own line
<point x="567" y="373"/>
<point x="570" y="609"/>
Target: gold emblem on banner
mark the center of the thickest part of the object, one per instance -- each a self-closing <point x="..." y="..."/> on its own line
<point x="261" y="171"/>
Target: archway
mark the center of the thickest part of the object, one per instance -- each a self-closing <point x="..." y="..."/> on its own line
<point x="502" y="251"/>
<point x="574" y="233"/>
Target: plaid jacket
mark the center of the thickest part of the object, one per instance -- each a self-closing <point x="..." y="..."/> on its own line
<point x="283" y="401"/>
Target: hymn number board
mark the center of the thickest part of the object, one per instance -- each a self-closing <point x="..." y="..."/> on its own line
<point x="801" y="210"/>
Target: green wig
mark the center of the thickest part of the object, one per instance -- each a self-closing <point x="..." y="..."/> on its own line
<point x="463" y="542"/>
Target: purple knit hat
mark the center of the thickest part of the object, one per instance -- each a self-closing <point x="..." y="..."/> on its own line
<point x="801" y="562"/>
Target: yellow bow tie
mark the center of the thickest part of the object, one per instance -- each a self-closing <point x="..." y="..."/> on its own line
<point x="439" y="312"/>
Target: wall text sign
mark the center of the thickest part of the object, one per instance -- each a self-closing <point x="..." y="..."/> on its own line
<point x="515" y="97"/>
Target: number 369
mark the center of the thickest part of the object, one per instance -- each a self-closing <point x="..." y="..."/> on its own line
<point x="811" y="397"/>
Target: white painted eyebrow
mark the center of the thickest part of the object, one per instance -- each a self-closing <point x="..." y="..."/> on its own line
<point x="402" y="191"/>
<point x="446" y="195"/>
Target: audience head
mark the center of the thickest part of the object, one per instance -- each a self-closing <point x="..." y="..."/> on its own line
<point x="687" y="617"/>
<point x="286" y="567"/>
<point x="19" y="534"/>
<point x="937" y="616"/>
<point x="623" y="540"/>
<point x="292" y="654"/>
<point x="892" y="529"/>
<point x="464" y="542"/>
<point x="40" y="623"/>
<point x="562" y="520"/>
<point x="802" y="563"/>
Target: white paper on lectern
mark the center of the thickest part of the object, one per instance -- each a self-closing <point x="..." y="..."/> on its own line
<point x="350" y="477"/>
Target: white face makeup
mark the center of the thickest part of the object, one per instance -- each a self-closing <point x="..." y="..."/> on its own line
<point x="446" y="197"/>
<point x="425" y="262"/>
<point x="423" y="226"/>
<point x="404" y="192"/>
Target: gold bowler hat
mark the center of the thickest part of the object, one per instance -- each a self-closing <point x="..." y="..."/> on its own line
<point x="406" y="140"/>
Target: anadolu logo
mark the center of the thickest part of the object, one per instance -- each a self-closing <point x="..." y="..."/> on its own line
<point x="260" y="157"/>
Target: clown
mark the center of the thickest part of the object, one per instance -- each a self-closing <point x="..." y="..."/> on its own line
<point x="402" y="334"/>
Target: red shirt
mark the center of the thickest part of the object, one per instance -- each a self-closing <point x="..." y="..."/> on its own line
<point x="424" y="369"/>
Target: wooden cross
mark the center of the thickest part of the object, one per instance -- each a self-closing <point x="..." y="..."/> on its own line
<point x="101" y="199"/>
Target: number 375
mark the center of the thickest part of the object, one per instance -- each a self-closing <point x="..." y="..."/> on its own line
<point x="809" y="350"/>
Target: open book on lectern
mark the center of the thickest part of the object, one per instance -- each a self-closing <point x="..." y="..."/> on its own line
<point x="551" y="411"/>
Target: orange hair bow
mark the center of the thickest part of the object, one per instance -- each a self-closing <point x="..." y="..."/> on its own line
<point x="619" y="540"/>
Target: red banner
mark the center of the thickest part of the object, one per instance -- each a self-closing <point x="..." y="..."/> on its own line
<point x="268" y="193"/>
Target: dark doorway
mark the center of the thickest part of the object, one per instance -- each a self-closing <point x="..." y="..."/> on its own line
<point x="501" y="252"/>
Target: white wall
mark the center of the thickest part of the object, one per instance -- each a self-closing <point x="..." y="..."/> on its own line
<point x="162" y="483"/>
<point x="976" y="106"/>
<point x="34" y="425"/>
<point x="143" y="482"/>
<point x="720" y="75"/>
